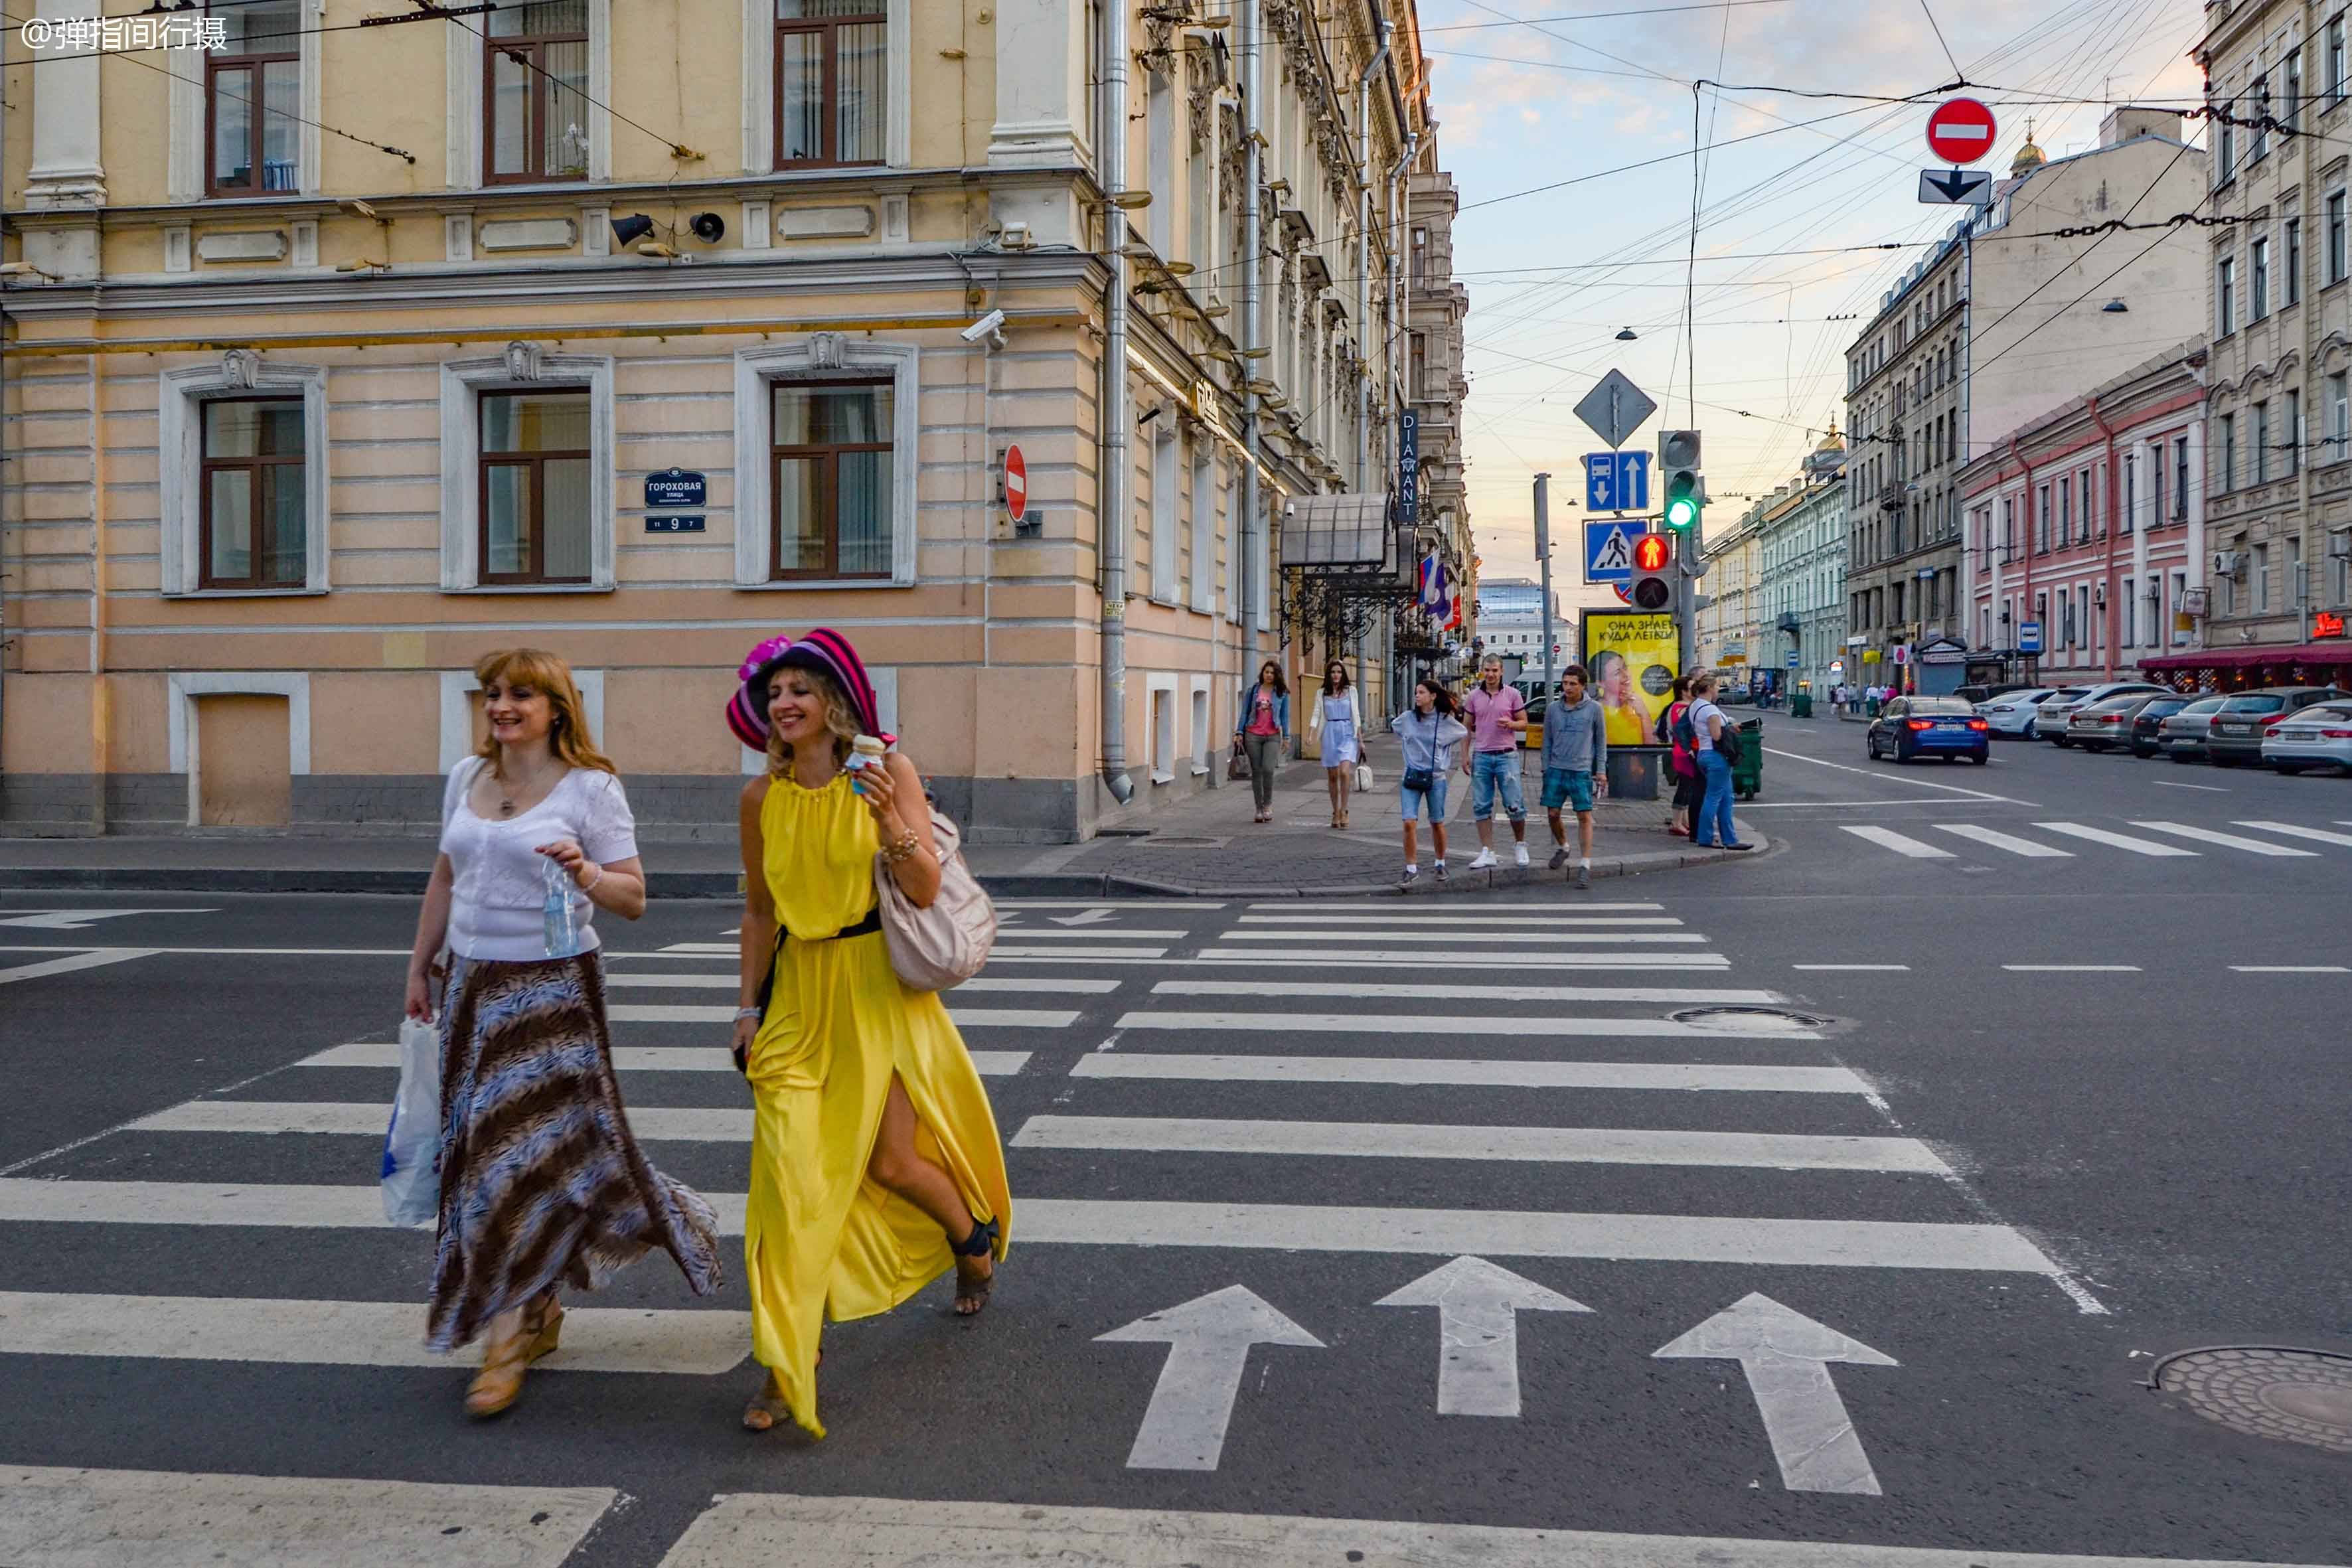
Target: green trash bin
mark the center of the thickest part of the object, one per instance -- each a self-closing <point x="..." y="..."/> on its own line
<point x="1801" y="706"/>
<point x="1748" y="772"/>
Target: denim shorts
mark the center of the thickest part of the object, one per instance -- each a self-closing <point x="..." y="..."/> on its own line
<point x="1490" y="769"/>
<point x="1410" y="801"/>
<point x="1570" y="787"/>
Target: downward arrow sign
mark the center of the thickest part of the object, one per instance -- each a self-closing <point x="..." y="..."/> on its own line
<point x="1478" y="1305"/>
<point x="1083" y="918"/>
<point x="1969" y="186"/>
<point x="1784" y="1354"/>
<point x="1209" y="1340"/>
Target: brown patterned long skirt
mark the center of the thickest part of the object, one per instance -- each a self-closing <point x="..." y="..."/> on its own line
<point x="540" y="1182"/>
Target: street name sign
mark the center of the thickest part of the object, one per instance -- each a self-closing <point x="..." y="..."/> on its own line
<point x="1615" y="408"/>
<point x="1617" y="481"/>
<point x="1972" y="187"/>
<point x="1960" y="132"/>
<point x="676" y="489"/>
<point x="1609" y="550"/>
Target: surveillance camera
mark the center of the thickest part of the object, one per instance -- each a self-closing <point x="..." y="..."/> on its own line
<point x="992" y="325"/>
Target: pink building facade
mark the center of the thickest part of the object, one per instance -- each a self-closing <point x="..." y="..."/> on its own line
<point x="2083" y="540"/>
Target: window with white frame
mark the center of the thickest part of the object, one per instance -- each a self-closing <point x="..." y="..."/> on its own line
<point x="2339" y="567"/>
<point x="2258" y="279"/>
<point x="2339" y="415"/>
<point x="252" y="99"/>
<point x="2262" y="442"/>
<point x="1163" y="733"/>
<point x="1160" y="132"/>
<point x="2128" y="634"/>
<point x="526" y="478"/>
<point x="2225" y="303"/>
<point x="2294" y="259"/>
<point x="833" y="82"/>
<point x="2180" y="633"/>
<point x="2260" y="94"/>
<point x="2262" y="575"/>
<point x="1165" y="512"/>
<point x="2336" y="253"/>
<point x="1205" y="524"/>
<point x="2226" y="474"/>
<point x="526" y="96"/>
<point x="1200" y="729"/>
<point x="834" y="501"/>
<point x="2291" y="435"/>
<point x="242" y="478"/>
<point x="2335" y="48"/>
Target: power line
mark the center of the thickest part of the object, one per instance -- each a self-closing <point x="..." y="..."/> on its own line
<point x="1948" y="55"/>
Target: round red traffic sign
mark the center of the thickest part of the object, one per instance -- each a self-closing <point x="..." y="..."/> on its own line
<point x="1960" y="130"/>
<point x="1017" y="483"/>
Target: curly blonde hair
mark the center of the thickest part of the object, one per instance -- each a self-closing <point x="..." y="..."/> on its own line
<point x="568" y="735"/>
<point x="840" y="718"/>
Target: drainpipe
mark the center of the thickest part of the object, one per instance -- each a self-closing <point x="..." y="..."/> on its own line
<point x="2025" y="558"/>
<point x="1364" y="250"/>
<point x="1116" y="479"/>
<point x="2107" y="528"/>
<point x="1253" y="47"/>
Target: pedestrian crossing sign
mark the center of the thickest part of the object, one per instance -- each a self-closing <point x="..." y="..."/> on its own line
<point x="1609" y="550"/>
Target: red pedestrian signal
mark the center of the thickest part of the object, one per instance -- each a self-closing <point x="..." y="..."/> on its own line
<point x="1651" y="552"/>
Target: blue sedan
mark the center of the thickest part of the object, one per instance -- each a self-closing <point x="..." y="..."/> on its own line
<point x="1910" y="727"/>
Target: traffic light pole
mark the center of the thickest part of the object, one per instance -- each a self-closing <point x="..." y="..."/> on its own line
<point x="1694" y="556"/>
<point x="1543" y="558"/>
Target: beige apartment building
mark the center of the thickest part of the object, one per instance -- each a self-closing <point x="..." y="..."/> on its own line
<point x="2276" y="562"/>
<point x="355" y="346"/>
<point x="2024" y="304"/>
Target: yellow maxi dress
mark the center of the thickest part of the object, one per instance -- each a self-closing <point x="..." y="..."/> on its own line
<point x="819" y="1239"/>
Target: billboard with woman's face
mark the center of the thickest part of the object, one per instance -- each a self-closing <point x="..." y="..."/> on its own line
<point x="1631" y="657"/>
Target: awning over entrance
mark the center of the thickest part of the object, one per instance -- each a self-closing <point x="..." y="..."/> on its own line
<point x="2302" y="654"/>
<point x="1345" y="532"/>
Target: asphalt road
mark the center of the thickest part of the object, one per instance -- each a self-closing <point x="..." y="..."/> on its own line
<point x="2087" y="1109"/>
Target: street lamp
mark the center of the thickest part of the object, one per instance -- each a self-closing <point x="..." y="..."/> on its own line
<point x="1626" y="335"/>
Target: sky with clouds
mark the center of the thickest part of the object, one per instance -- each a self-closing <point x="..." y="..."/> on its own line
<point x="1531" y="94"/>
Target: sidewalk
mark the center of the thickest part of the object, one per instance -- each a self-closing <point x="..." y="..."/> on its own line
<point x="1206" y="847"/>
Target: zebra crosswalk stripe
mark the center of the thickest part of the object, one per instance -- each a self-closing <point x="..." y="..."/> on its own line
<point x="2015" y="846"/>
<point x="632" y="1059"/>
<point x="2117" y="840"/>
<point x="1456" y="1072"/>
<point x="1512" y="1027"/>
<point x="1901" y="843"/>
<point x="2227" y="840"/>
<point x="2296" y="830"/>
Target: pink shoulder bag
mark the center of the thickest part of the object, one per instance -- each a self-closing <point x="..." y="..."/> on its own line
<point x="944" y="945"/>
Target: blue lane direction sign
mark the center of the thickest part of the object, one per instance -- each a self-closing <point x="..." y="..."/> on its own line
<point x="1609" y="550"/>
<point x="1617" y="481"/>
<point x="2029" y="636"/>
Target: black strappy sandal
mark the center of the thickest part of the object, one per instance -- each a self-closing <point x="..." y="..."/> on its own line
<point x="980" y="1243"/>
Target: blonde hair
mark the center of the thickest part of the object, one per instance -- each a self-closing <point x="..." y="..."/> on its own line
<point x="840" y="718"/>
<point x="567" y="734"/>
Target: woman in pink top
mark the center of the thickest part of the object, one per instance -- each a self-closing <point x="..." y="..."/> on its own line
<point x="1261" y="722"/>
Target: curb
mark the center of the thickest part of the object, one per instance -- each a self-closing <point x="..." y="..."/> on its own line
<point x="728" y="884"/>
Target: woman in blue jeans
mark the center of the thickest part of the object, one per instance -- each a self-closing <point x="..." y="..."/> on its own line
<point x="1430" y="732"/>
<point x="1706" y="724"/>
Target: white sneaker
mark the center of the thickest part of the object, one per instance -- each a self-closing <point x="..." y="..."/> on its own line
<point x="1410" y="872"/>
<point x="1520" y="853"/>
<point x="1486" y="858"/>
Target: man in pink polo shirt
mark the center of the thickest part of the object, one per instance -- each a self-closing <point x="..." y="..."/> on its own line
<point x="1496" y="714"/>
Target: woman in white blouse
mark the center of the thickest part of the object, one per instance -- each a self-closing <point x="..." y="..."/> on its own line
<point x="540" y="1182"/>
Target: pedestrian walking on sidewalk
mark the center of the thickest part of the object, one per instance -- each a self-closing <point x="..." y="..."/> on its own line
<point x="1262" y="724"/>
<point x="1575" y="768"/>
<point x="541" y="1185"/>
<point x="1682" y="814"/>
<point x="1713" y="737"/>
<point x="1339" y="718"/>
<point x="876" y="1164"/>
<point x="1430" y="732"/>
<point x="1496" y="715"/>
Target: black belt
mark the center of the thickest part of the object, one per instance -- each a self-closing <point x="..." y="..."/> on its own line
<point x="867" y="927"/>
<point x="871" y="923"/>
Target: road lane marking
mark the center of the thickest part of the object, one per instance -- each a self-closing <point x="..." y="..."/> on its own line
<point x="1907" y="782"/>
<point x="2295" y="830"/>
<point x="1589" y="938"/>
<point x="1095" y="934"/>
<point x="1108" y="904"/>
<point x="1074" y="984"/>
<point x="883" y="1532"/>
<point x="682" y="1124"/>
<point x="1579" y="905"/>
<point x="635" y="1059"/>
<point x="1098" y="954"/>
<point x="79" y="920"/>
<point x="350" y="1334"/>
<point x="1390" y="958"/>
<point x="1888" y="968"/>
<point x="180" y="1519"/>
<point x="2227" y="840"/>
<point x="1412" y="1070"/>
<point x="1656" y="993"/>
<point x="97" y="958"/>
<point x="2118" y="840"/>
<point x="2072" y="968"/>
<point x="2168" y="783"/>
<point x="1538" y="1145"/>
<point x="1901" y="843"/>
<point x="1420" y="920"/>
<point x="720" y="1013"/>
<point x="2014" y="845"/>
<point x="2291" y="969"/>
<point x="1275" y="1024"/>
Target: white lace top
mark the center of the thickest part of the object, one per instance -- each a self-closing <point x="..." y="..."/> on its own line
<point x="496" y="901"/>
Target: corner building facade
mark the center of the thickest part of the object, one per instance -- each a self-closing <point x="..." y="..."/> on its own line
<point x="342" y="354"/>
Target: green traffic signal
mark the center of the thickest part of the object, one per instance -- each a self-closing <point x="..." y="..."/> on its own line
<point x="1682" y="502"/>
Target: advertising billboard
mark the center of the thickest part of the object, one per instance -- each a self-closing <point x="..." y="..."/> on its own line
<point x="1631" y="658"/>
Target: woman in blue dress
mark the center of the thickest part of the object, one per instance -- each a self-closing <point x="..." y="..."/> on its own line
<point x="1340" y="721"/>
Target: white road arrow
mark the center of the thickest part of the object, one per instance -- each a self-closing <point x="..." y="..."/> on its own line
<point x="81" y="920"/>
<point x="1208" y="1341"/>
<point x="1784" y="1354"/>
<point x="1083" y="918"/>
<point x="1478" y="1305"/>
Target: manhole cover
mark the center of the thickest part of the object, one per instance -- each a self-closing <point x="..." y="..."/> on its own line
<point x="2298" y="1396"/>
<point x="1748" y="1020"/>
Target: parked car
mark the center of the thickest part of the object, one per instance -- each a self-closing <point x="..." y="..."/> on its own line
<point x="1983" y="694"/>
<point x="2311" y="737"/>
<point x="2151" y="712"/>
<point x="2100" y="726"/>
<point x="2181" y="736"/>
<point x="2060" y="706"/>
<point x="2238" y="728"/>
<point x="1910" y="727"/>
<point x="2012" y="713"/>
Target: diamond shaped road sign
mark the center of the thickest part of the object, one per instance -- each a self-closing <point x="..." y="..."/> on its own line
<point x="1615" y="408"/>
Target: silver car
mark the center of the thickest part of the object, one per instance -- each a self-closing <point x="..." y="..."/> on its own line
<point x="2059" y="707"/>
<point x="2312" y="738"/>
<point x="2011" y="713"/>
<point x="2181" y="737"/>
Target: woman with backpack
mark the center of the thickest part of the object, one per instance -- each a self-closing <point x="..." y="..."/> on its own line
<point x="1682" y="817"/>
<point x="1706" y="730"/>
<point x="875" y="1166"/>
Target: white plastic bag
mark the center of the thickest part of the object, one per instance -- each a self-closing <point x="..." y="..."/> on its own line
<point x="412" y="1145"/>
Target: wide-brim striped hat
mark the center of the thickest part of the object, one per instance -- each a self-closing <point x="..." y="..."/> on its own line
<point x="823" y="650"/>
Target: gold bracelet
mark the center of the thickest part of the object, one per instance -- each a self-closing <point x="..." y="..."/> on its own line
<point x="895" y="853"/>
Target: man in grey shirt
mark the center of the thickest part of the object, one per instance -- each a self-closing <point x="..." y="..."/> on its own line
<point x="1575" y="768"/>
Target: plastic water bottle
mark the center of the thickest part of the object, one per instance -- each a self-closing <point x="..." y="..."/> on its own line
<point x="561" y="931"/>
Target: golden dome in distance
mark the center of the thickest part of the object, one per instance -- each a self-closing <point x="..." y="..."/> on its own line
<point x="1832" y="442"/>
<point x="2028" y="157"/>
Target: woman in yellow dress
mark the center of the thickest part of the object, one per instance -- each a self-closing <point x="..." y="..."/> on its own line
<point x="875" y="1166"/>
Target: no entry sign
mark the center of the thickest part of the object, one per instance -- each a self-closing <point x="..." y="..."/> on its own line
<point x="1960" y="130"/>
<point x="1017" y="483"/>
